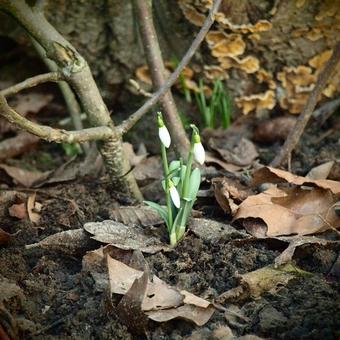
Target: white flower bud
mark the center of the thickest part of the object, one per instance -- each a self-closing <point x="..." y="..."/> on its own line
<point x="199" y="153"/>
<point x="164" y="136"/>
<point x="174" y="195"/>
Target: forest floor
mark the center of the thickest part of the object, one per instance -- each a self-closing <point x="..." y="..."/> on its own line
<point x="49" y="293"/>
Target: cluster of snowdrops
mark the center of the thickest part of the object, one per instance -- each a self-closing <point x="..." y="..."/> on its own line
<point x="181" y="183"/>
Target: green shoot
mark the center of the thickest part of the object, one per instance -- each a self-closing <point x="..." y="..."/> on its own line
<point x="219" y="105"/>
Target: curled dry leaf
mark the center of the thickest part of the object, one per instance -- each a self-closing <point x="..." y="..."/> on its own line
<point x="321" y="171"/>
<point x="229" y="193"/>
<point x="128" y="237"/>
<point x="295" y="242"/>
<point x="210" y="158"/>
<point x="293" y="211"/>
<point x="272" y="175"/>
<point x="161" y="302"/>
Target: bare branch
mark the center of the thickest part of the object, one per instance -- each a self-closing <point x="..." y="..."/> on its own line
<point x="127" y="124"/>
<point x="157" y="69"/>
<point x="138" y="88"/>
<point x="51" y="134"/>
<point x="295" y="134"/>
<point x="31" y="82"/>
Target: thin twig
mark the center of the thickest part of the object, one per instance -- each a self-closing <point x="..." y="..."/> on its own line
<point x="157" y="70"/>
<point x="127" y="124"/>
<point x="295" y="134"/>
<point x="31" y="82"/>
<point x="138" y="88"/>
<point x="50" y="134"/>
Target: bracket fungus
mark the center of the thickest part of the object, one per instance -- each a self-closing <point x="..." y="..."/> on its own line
<point x="257" y="102"/>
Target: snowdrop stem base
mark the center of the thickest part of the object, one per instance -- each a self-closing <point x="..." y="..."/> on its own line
<point x="167" y="190"/>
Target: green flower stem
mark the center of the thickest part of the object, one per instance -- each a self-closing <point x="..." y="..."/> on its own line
<point x="185" y="189"/>
<point x="181" y="228"/>
<point x="167" y="190"/>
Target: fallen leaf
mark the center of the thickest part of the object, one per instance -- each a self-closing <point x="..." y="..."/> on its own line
<point x="160" y="301"/>
<point x="22" y="176"/>
<point x="293" y="211"/>
<point x="128" y="237"/>
<point x="241" y="152"/>
<point x="72" y="242"/>
<point x="15" y="146"/>
<point x="295" y="242"/>
<point x="129" y="308"/>
<point x="229" y="193"/>
<point x="274" y="130"/>
<point x="210" y="158"/>
<point x="148" y="169"/>
<point x="30" y="103"/>
<point x="273" y="175"/>
<point x="263" y="280"/>
<point x="141" y="215"/>
<point x="4" y="237"/>
<point x="18" y="210"/>
<point x="33" y="209"/>
<point x="321" y="171"/>
<point x="213" y="231"/>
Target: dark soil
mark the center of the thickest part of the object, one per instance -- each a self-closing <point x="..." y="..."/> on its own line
<point x="59" y="300"/>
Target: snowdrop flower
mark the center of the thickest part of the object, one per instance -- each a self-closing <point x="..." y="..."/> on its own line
<point x="174" y="195"/>
<point x="163" y="132"/>
<point x="199" y="153"/>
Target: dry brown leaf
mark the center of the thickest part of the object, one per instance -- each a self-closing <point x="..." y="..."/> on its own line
<point x="274" y="130"/>
<point x="209" y="158"/>
<point x="273" y="175"/>
<point x="161" y="302"/>
<point x="199" y="316"/>
<point x="18" y="210"/>
<point x="229" y="193"/>
<point x="321" y="171"/>
<point x="141" y="215"/>
<point x="72" y="242"/>
<point x="295" y="242"/>
<point x="234" y="150"/>
<point x="148" y="169"/>
<point x="128" y="237"/>
<point x="22" y="176"/>
<point x="17" y="145"/>
<point x="130" y="309"/>
<point x="33" y="209"/>
<point x="294" y="211"/>
<point x="4" y="237"/>
<point x="31" y="103"/>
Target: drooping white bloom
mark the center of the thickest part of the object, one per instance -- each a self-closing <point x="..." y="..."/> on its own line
<point x="199" y="153"/>
<point x="164" y="136"/>
<point x="174" y="195"/>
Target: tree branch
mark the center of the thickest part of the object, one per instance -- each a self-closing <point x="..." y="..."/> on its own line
<point x="295" y="134"/>
<point x="50" y="134"/>
<point x="157" y="69"/>
<point x="127" y="124"/>
<point x="31" y="82"/>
